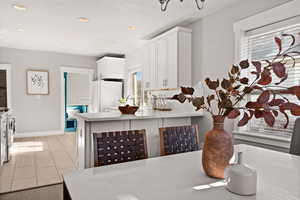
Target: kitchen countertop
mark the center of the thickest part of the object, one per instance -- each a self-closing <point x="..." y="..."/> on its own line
<point x="149" y="114"/>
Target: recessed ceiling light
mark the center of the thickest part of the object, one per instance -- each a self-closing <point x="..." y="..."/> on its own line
<point x="83" y="19"/>
<point x="131" y="28"/>
<point x="20" y="30"/>
<point x="20" y="7"/>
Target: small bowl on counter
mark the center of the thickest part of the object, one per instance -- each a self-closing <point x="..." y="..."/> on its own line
<point x="128" y="110"/>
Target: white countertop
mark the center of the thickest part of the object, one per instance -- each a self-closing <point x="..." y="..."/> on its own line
<point x="175" y="178"/>
<point x="149" y="114"/>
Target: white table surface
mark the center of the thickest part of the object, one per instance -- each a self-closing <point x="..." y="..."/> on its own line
<point x="174" y="177"/>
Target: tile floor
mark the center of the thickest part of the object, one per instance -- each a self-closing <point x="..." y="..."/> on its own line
<point x="38" y="161"/>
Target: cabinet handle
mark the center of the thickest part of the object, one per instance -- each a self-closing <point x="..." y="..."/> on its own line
<point x="165" y="83"/>
<point x="147" y="84"/>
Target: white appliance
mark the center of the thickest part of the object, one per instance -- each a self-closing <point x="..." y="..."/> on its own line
<point x="110" y="68"/>
<point x="106" y="95"/>
<point x="108" y="87"/>
<point x="3" y="138"/>
<point x="10" y="131"/>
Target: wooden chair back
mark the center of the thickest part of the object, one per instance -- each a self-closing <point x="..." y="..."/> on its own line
<point x="118" y="147"/>
<point x="179" y="139"/>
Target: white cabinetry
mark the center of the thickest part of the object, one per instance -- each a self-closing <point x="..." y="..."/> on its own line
<point x="84" y="141"/>
<point x="111" y="68"/>
<point x="167" y="60"/>
<point x="149" y="66"/>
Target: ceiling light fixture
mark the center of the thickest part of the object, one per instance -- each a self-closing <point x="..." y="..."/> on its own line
<point x="83" y="19"/>
<point x="131" y="28"/>
<point x="20" y="30"/>
<point x="20" y="7"/>
<point x="164" y="4"/>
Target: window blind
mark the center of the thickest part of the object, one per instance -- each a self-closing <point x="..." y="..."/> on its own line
<point x="258" y="45"/>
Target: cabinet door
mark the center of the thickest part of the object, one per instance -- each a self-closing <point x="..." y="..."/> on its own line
<point x="171" y="122"/>
<point x="171" y="80"/>
<point x="162" y="62"/>
<point x="146" y="68"/>
<point x="150" y="67"/>
<point x="152" y="133"/>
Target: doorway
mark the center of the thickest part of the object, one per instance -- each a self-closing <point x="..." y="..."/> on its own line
<point x="75" y="95"/>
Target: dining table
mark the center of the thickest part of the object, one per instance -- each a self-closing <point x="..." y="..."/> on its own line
<point x="181" y="177"/>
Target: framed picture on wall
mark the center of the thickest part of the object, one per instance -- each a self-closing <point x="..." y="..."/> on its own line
<point x="37" y="82"/>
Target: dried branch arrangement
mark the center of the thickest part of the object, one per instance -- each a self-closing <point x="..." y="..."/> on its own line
<point x="230" y="92"/>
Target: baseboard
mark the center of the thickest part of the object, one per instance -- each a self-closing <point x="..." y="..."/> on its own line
<point x="39" y="133"/>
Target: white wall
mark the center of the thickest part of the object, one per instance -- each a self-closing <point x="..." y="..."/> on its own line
<point x="213" y="45"/>
<point x="36" y="113"/>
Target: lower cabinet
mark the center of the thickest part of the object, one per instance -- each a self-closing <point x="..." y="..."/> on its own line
<point x="84" y="135"/>
<point x="152" y="130"/>
<point x="151" y="126"/>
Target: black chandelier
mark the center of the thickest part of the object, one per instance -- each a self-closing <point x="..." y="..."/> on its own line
<point x="164" y="4"/>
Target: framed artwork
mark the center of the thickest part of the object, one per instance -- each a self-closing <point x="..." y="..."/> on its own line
<point x="37" y="82"/>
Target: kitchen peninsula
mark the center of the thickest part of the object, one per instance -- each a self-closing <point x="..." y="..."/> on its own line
<point x="151" y="121"/>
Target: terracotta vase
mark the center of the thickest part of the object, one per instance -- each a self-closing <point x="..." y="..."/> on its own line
<point x="217" y="150"/>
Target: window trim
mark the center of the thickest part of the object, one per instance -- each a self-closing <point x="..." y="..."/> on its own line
<point x="269" y="17"/>
<point x="131" y="71"/>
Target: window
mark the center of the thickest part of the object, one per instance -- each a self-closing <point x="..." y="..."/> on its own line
<point x="136" y="87"/>
<point x="259" y="45"/>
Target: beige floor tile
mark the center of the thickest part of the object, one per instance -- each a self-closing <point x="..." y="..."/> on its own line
<point x="24" y="173"/>
<point x="24" y="184"/>
<point x="7" y="170"/>
<point x="43" y="144"/>
<point x="55" y="146"/>
<point x="38" y="161"/>
<point x="47" y="172"/>
<point x="63" y="161"/>
<point x="25" y="160"/>
<point x="48" y="181"/>
<point x="44" y="159"/>
<point x="73" y="156"/>
<point x="65" y="164"/>
<point x="63" y="171"/>
<point x="5" y="184"/>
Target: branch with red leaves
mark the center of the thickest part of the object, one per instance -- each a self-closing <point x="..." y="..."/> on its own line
<point x="228" y="94"/>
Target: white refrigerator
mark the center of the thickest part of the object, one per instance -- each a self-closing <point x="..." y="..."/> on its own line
<point x="106" y="95"/>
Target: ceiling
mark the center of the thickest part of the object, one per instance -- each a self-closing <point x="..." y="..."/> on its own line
<point x="52" y="25"/>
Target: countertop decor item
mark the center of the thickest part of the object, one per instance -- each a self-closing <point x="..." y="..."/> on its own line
<point x="128" y="110"/>
<point x="37" y="82"/>
<point x="228" y="97"/>
<point x="240" y="178"/>
<point x="164" y="4"/>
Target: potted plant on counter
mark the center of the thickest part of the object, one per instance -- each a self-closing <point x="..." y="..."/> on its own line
<point x="227" y="96"/>
<point x="125" y="108"/>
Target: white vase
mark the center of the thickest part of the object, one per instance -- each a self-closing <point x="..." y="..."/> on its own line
<point x="241" y="179"/>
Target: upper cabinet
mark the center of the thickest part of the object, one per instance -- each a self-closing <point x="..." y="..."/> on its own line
<point x="149" y="66"/>
<point x="111" y="68"/>
<point x="166" y="60"/>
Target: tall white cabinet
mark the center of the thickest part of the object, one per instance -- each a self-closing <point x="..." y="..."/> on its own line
<point x="166" y="60"/>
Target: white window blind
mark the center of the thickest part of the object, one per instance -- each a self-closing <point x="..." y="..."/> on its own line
<point x="260" y="45"/>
